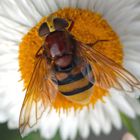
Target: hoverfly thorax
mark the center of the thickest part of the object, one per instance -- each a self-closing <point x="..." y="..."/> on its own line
<point x="61" y="48"/>
<point x="60" y="44"/>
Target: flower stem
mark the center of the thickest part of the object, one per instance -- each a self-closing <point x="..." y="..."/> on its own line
<point x="132" y="125"/>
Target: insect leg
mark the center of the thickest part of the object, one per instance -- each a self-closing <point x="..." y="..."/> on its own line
<point x="38" y="52"/>
<point x="98" y="41"/>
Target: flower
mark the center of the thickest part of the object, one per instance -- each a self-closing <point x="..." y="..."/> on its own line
<point x="17" y="18"/>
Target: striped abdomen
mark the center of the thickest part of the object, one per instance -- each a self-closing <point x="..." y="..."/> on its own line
<point x="76" y="86"/>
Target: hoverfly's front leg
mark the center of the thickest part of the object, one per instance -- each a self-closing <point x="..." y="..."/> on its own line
<point x="38" y="53"/>
<point x="41" y="52"/>
<point x="98" y="41"/>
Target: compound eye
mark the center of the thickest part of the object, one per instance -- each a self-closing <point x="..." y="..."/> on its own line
<point x="43" y="30"/>
<point x="60" y="23"/>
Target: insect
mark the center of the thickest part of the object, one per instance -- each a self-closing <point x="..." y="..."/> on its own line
<point x="64" y="64"/>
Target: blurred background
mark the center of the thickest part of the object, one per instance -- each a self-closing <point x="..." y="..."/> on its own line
<point x="6" y="134"/>
<point x="130" y="125"/>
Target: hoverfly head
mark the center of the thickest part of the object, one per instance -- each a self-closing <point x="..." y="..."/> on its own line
<point x="54" y="23"/>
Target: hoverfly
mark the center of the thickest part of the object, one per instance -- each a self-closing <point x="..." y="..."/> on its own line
<point x="64" y="64"/>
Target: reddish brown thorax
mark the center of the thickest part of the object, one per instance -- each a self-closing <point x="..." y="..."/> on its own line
<point x="61" y="48"/>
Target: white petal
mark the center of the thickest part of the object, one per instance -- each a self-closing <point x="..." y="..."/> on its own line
<point x="68" y="127"/>
<point x="42" y="7"/>
<point x="28" y="10"/>
<point x="112" y="113"/>
<point x="83" y="4"/>
<point x="49" y="124"/>
<point x="10" y="24"/>
<point x="103" y="119"/>
<point x="84" y="123"/>
<point x="73" y="3"/>
<point x="52" y="5"/>
<point x="121" y="103"/>
<point x="13" y="13"/>
<point x="135" y="104"/>
<point x="3" y="117"/>
<point x="94" y="122"/>
<point x="63" y="3"/>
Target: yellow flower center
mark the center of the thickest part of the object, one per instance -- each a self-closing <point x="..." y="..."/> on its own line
<point x="88" y="27"/>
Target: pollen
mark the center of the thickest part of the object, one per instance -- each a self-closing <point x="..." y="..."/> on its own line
<point x="88" y="27"/>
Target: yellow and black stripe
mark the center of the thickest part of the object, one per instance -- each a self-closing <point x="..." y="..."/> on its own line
<point x="77" y="87"/>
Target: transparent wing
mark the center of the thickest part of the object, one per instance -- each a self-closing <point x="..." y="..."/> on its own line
<point x="40" y="94"/>
<point x="85" y="68"/>
<point x="107" y="73"/>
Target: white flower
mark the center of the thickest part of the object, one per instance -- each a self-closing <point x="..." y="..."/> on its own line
<point x="17" y="17"/>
